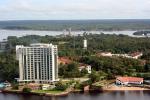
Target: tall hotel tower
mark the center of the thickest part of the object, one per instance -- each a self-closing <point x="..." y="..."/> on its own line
<point x="37" y="63"/>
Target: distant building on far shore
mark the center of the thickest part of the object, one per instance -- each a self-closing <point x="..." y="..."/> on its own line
<point x="3" y="45"/>
<point x="69" y="32"/>
<point x="37" y="63"/>
<point x="66" y="32"/>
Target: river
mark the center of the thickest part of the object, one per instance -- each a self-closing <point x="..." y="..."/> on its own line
<point x="124" y="95"/>
<point x="5" y="33"/>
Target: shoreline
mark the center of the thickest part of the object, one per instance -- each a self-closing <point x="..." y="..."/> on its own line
<point x="66" y="93"/>
<point x="126" y="88"/>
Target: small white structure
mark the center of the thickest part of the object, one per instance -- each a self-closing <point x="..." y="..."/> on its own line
<point x="45" y="87"/>
<point x="85" y="43"/>
<point x="87" y="67"/>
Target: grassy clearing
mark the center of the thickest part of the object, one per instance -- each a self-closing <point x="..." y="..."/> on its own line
<point x="47" y="91"/>
<point x="104" y="83"/>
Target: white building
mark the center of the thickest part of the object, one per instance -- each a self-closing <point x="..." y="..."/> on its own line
<point x="87" y="67"/>
<point x="46" y="87"/>
<point x="37" y="63"/>
<point x="134" y="55"/>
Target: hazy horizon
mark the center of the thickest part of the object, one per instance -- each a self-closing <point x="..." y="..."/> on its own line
<point x="73" y="9"/>
<point x="69" y="19"/>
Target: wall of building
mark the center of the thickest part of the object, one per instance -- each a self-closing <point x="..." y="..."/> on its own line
<point x="38" y="63"/>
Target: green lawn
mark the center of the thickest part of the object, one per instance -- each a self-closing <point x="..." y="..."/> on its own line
<point x="47" y="91"/>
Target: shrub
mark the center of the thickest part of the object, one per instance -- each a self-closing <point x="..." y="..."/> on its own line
<point x="15" y="87"/>
<point x="78" y="86"/>
<point x="60" y="86"/>
<point x="26" y="90"/>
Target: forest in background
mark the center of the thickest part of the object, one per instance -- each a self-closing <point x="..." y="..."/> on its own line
<point x="78" y="25"/>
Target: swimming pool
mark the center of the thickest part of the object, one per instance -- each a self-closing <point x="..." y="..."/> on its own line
<point x="2" y="85"/>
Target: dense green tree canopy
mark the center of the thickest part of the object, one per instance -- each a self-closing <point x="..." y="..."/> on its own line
<point x="8" y="67"/>
<point x="73" y="47"/>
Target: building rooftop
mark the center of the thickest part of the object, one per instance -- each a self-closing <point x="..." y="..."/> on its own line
<point x="40" y="45"/>
<point x="130" y="79"/>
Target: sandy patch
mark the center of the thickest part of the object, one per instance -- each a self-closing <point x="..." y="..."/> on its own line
<point x="122" y="88"/>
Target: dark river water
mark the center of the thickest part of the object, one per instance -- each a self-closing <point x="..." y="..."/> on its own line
<point x="126" y="95"/>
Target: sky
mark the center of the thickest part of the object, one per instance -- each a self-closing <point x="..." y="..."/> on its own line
<point x="74" y="9"/>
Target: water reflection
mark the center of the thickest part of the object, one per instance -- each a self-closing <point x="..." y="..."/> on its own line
<point x="119" y="95"/>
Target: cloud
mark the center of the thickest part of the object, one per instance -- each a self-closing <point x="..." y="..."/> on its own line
<point x="74" y="9"/>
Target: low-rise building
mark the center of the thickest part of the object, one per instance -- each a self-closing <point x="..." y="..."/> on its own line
<point x="107" y="54"/>
<point x="3" y="45"/>
<point x="46" y="87"/>
<point x="136" y="55"/>
<point x="34" y="86"/>
<point x="129" y="80"/>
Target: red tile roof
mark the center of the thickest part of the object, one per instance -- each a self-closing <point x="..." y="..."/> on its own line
<point x="130" y="79"/>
